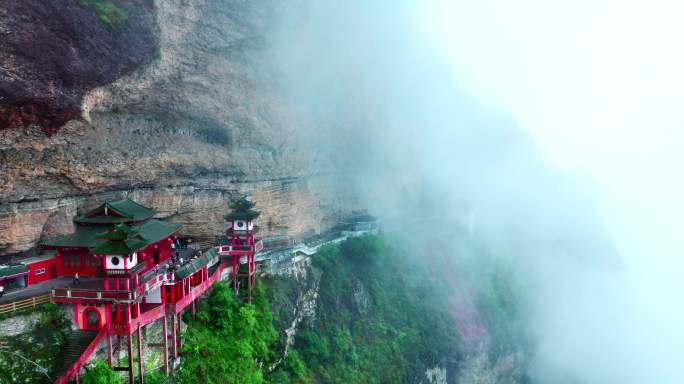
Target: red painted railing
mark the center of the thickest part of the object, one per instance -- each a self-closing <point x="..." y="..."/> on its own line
<point x="74" y="294"/>
<point x="68" y="294"/>
<point x="145" y="318"/>
<point x="149" y="316"/>
<point x="198" y="290"/>
<point x="153" y="283"/>
<point x="119" y="272"/>
<point x="239" y="249"/>
<point x="120" y="328"/>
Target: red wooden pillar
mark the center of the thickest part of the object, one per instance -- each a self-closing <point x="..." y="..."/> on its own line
<point x="250" y="274"/>
<point x="140" y="360"/>
<point x="166" y="346"/>
<point x="117" y="313"/>
<point x="180" y="340"/>
<point x="109" y="348"/>
<point x="130" y="359"/>
<point x="108" y="313"/>
<point x="234" y="271"/>
<point x="173" y="336"/>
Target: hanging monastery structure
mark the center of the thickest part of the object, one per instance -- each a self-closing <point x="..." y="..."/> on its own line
<point x="122" y="270"/>
<point x="128" y="270"/>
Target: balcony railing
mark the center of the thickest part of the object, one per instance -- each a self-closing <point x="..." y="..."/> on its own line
<point x="254" y="229"/>
<point x="223" y="249"/>
<point x="75" y="293"/>
<point x="122" y="272"/>
<point x="154" y="282"/>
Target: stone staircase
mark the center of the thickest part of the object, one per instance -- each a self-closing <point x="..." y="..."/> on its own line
<point x="76" y="343"/>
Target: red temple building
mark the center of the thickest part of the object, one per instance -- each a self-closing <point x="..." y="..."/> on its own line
<point x="30" y="271"/>
<point x="129" y="272"/>
<point x="241" y="244"/>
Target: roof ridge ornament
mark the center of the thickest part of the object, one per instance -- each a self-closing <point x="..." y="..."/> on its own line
<point x="242" y="210"/>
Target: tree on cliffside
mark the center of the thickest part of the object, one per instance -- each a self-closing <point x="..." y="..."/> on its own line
<point x="100" y="373"/>
<point x="228" y="342"/>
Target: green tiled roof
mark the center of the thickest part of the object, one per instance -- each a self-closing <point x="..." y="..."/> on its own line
<point x="87" y="236"/>
<point x="119" y="232"/>
<point x="120" y="240"/>
<point x="241" y="204"/>
<point x="12" y="269"/>
<point x="119" y="211"/>
<point x="83" y="237"/>
<point x="196" y="264"/>
<point x="242" y="210"/>
<point x="155" y="230"/>
<point x="119" y="247"/>
<point x="249" y="214"/>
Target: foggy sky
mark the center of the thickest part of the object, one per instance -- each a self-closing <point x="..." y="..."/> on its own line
<point x="556" y="124"/>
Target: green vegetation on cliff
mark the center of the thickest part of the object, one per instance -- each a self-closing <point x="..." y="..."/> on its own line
<point x="107" y="11"/>
<point x="30" y="357"/>
<point x="377" y="321"/>
<point x="228" y="342"/>
<point x="98" y="372"/>
<point x="379" y="318"/>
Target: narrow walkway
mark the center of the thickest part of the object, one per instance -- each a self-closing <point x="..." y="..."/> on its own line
<point x="35" y="289"/>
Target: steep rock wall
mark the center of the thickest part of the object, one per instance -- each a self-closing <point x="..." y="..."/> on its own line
<point x="294" y="286"/>
<point x="55" y="51"/>
<point x="190" y="116"/>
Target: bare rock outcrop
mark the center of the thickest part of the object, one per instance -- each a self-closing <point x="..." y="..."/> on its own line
<point x="177" y="107"/>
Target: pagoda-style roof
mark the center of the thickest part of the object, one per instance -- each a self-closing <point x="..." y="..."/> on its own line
<point x="120" y="247"/>
<point x="119" y="211"/>
<point x="92" y="237"/>
<point x="83" y="237"/>
<point x="12" y="269"/>
<point x="242" y="210"/>
<point x="195" y="264"/>
<point x="120" y="240"/>
<point x="155" y="230"/>
<point x="246" y="215"/>
<point x="361" y="216"/>
<point x="119" y="232"/>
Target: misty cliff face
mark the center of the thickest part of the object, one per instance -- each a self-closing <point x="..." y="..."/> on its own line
<point x="169" y="102"/>
<point x="361" y="312"/>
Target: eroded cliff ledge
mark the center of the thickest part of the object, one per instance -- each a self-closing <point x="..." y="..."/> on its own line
<point x="175" y="106"/>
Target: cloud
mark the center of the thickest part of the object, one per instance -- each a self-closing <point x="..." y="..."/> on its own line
<point x="557" y="124"/>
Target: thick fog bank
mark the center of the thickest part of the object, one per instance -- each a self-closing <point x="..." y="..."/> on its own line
<point x="387" y="106"/>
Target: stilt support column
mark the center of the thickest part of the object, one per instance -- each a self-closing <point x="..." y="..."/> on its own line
<point x="166" y="347"/>
<point x="140" y="360"/>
